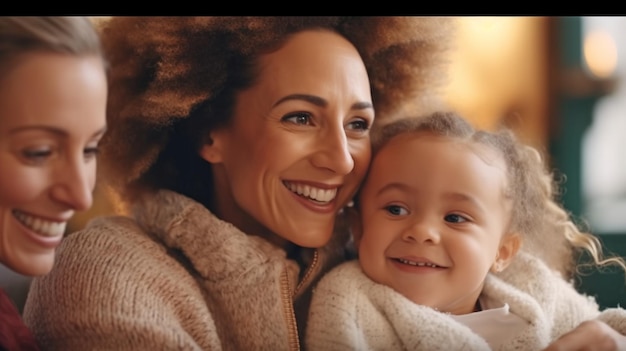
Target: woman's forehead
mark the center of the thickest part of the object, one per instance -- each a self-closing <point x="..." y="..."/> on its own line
<point x="320" y="63"/>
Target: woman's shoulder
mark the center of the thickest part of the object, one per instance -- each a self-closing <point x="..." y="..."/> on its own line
<point x="106" y="238"/>
<point x="111" y="256"/>
<point x="111" y="275"/>
<point x="106" y="272"/>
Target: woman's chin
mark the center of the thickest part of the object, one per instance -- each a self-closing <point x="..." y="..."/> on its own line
<point x="312" y="238"/>
<point x="32" y="265"/>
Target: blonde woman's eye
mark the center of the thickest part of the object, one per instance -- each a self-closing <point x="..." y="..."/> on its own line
<point x="36" y="156"/>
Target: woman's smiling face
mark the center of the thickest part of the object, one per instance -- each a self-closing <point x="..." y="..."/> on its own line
<point x="298" y="145"/>
<point x="52" y="116"/>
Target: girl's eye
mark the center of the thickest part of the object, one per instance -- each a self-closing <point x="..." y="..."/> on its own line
<point x="455" y="218"/>
<point x="298" y="118"/>
<point x="396" y="210"/>
<point x="359" y="124"/>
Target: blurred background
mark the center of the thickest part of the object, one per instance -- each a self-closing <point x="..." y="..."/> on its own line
<point x="559" y="82"/>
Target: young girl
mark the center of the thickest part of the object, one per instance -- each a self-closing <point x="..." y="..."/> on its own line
<point x="444" y="211"/>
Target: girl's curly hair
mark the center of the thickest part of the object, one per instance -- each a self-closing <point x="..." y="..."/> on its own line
<point x="172" y="79"/>
<point x="546" y="227"/>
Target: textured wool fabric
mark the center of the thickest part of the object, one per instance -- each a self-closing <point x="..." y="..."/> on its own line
<point x="494" y="323"/>
<point x="14" y="335"/>
<point x="174" y="277"/>
<point x="351" y="312"/>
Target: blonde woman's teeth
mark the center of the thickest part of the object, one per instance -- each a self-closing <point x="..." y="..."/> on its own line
<point x="313" y="193"/>
<point x="41" y="226"/>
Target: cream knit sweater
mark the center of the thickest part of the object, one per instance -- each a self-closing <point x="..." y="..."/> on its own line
<point x="173" y="278"/>
<point x="351" y="312"/>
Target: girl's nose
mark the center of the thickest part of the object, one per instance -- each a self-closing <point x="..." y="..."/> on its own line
<point x="422" y="232"/>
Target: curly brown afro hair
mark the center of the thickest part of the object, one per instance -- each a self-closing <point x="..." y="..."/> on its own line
<point x="172" y="79"/>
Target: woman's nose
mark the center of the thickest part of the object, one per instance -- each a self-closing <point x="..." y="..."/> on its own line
<point x="333" y="152"/>
<point x="74" y="186"/>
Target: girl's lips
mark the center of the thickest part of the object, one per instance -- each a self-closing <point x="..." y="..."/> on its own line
<point x="416" y="265"/>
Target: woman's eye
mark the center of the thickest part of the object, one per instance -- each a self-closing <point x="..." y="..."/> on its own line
<point x="397" y="210"/>
<point x="299" y="118"/>
<point x="359" y="124"/>
<point x="455" y="218"/>
<point x="91" y="153"/>
<point x="36" y="156"/>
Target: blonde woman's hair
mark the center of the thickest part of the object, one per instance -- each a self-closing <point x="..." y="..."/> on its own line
<point x="63" y="35"/>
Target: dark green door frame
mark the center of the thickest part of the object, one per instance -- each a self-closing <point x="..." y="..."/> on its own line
<point x="576" y="95"/>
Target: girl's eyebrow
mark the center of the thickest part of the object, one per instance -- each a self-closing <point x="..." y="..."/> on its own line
<point x="395" y="185"/>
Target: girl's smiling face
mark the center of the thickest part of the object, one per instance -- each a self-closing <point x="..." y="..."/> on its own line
<point x="434" y="219"/>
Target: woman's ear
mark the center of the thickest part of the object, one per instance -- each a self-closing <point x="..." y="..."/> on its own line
<point x="354" y="219"/>
<point x="212" y="147"/>
<point x="510" y="245"/>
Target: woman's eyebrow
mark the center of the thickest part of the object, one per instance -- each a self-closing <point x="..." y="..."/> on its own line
<point x="50" y="129"/>
<point x="318" y="101"/>
<point x="315" y="100"/>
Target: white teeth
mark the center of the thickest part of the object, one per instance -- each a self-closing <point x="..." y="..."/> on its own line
<point x="41" y="226"/>
<point x="317" y="194"/>
<point x="418" y="264"/>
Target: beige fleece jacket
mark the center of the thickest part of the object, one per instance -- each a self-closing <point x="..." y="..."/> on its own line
<point x="174" y="277"/>
<point x="351" y="312"/>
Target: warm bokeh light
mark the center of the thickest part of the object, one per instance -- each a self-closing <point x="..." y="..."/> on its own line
<point x="499" y="69"/>
<point x="600" y="54"/>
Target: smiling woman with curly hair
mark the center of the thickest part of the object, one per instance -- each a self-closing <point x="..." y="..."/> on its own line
<point x="174" y="79"/>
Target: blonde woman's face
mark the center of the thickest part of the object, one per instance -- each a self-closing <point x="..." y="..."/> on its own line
<point x="52" y="115"/>
<point x="299" y="143"/>
<point x="433" y="219"/>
